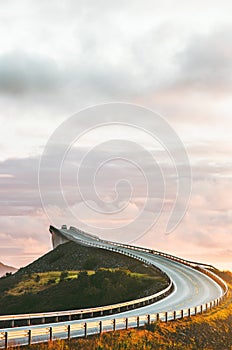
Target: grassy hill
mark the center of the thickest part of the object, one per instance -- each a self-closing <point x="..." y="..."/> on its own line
<point x="72" y="256"/>
<point x="74" y="276"/>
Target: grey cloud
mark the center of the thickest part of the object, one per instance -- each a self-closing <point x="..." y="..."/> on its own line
<point x="93" y="70"/>
<point x="105" y="61"/>
<point x="20" y="192"/>
<point x="207" y="60"/>
<point x="22" y="73"/>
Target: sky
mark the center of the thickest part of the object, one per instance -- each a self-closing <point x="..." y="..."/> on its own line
<point x="170" y="57"/>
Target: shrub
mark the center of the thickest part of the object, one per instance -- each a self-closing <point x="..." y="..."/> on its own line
<point x="63" y="275"/>
<point x="37" y="278"/>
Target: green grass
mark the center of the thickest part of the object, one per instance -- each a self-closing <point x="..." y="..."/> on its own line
<point x="37" y="282"/>
<point x="65" y="290"/>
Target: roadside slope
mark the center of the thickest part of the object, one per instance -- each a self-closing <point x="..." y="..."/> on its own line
<point x="74" y="276"/>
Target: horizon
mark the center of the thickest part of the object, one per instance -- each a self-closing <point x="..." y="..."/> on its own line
<point x="172" y="59"/>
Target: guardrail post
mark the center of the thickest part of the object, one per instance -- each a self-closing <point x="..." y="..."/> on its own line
<point x="137" y="321"/>
<point x="182" y="313"/>
<point x="195" y="310"/>
<point x="50" y="333"/>
<point x="166" y="316"/>
<point x="114" y="324"/>
<point x="174" y="315"/>
<point x="157" y="317"/>
<point x="201" y="309"/>
<point x="126" y="321"/>
<point x="69" y="332"/>
<point x="29" y="337"/>
<point x="85" y="328"/>
<point x="28" y="322"/>
<point x="189" y="312"/>
<point x="100" y="327"/>
<point x="12" y="323"/>
<point x="148" y="319"/>
<point x="6" y="340"/>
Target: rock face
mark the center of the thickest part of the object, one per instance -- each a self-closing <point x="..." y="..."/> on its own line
<point x="4" y="269"/>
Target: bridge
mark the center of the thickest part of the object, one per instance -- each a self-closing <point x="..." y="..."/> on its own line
<point x="193" y="288"/>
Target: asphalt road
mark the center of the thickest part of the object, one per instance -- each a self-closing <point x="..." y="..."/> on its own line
<point x="192" y="288"/>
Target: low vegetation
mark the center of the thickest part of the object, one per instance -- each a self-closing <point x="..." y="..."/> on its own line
<point x="76" y="289"/>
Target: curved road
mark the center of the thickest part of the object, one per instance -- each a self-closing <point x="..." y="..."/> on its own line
<point x="192" y="288"/>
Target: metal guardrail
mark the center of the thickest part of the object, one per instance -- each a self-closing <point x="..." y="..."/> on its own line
<point x="157" y="252"/>
<point x="43" y="333"/>
<point x="188" y="263"/>
<point x="19" y="336"/>
<point x="193" y="264"/>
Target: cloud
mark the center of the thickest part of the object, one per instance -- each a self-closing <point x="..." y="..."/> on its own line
<point x="60" y="57"/>
<point x="206" y="61"/>
<point x="205" y="229"/>
<point x="22" y="73"/>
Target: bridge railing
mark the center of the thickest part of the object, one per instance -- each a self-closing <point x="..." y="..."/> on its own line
<point x="114" y="246"/>
<point x="195" y="265"/>
<point x="43" y="333"/>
